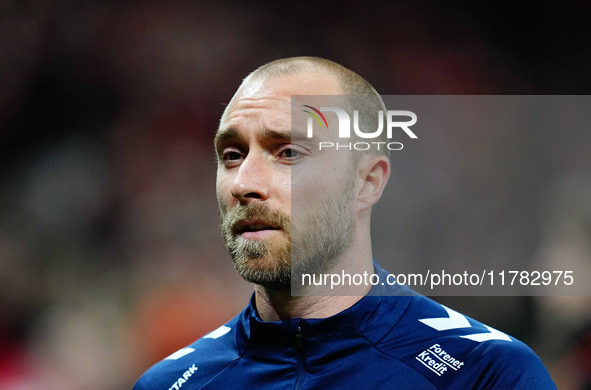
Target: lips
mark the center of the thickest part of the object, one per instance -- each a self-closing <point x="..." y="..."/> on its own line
<point x="253" y="226"/>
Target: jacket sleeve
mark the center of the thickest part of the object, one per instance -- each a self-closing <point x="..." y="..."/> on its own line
<point x="516" y="367"/>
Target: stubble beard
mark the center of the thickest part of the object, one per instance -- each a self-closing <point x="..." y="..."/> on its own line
<point x="258" y="261"/>
<point x="317" y="240"/>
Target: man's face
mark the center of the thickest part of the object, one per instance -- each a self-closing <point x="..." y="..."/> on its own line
<point x="262" y="161"/>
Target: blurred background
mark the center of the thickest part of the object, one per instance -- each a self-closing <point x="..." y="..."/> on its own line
<point x="110" y="255"/>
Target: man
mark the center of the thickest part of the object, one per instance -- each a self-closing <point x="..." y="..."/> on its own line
<point x="288" y="208"/>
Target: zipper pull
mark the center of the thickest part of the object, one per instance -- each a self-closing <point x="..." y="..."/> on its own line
<point x="299" y="338"/>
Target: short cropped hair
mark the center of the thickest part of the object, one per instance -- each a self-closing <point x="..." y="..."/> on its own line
<point x="368" y="101"/>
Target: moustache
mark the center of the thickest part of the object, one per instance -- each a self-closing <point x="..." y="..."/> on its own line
<point x="238" y="219"/>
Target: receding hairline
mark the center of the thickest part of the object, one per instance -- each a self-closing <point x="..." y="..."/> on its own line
<point x="349" y="82"/>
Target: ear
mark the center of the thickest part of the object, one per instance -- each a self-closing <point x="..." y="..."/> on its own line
<point x="374" y="171"/>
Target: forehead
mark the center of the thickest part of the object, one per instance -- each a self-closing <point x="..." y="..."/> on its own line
<point x="271" y="97"/>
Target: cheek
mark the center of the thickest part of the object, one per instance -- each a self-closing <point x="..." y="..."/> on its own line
<point x="222" y="191"/>
<point x="308" y="191"/>
<point x="325" y="175"/>
<point x="284" y="185"/>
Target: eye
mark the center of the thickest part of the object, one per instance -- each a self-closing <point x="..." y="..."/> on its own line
<point x="231" y="156"/>
<point x="289" y="153"/>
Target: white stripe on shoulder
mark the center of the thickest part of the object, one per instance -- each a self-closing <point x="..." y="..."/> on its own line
<point x="180" y="353"/>
<point x="219" y="332"/>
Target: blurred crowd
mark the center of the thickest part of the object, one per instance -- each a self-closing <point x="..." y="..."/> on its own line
<point x="110" y="252"/>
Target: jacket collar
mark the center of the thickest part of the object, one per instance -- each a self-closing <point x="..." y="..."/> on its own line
<point x="363" y="319"/>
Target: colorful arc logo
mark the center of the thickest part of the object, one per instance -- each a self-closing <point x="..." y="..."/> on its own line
<point x="316" y="116"/>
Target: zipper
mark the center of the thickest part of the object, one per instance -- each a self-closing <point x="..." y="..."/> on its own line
<point x="301" y="358"/>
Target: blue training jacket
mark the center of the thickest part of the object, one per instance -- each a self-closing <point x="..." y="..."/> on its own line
<point x="382" y="342"/>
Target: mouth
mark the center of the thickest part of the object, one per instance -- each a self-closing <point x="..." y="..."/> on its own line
<point x="254" y="229"/>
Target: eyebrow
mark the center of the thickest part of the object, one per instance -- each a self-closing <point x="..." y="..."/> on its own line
<point x="226" y="134"/>
<point x="232" y="133"/>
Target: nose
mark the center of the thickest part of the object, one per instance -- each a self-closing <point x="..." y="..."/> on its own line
<point x="252" y="182"/>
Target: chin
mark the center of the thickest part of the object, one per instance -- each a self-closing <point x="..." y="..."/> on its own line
<point x="265" y="271"/>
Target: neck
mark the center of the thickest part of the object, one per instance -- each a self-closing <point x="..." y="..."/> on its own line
<point x="279" y="304"/>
